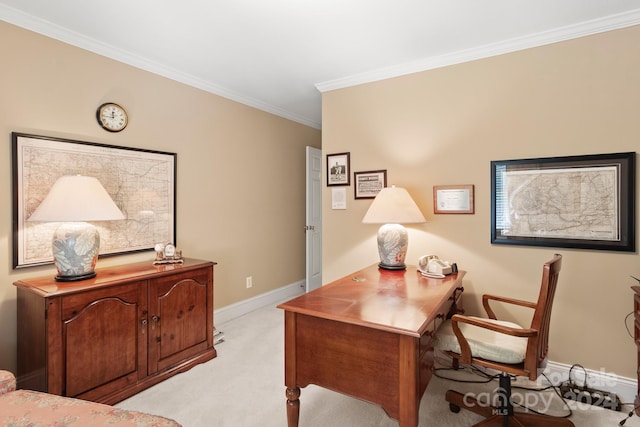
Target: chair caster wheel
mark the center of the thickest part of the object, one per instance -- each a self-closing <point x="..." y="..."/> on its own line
<point x="454" y="408"/>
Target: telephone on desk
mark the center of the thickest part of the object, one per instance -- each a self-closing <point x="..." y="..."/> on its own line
<point x="432" y="266"/>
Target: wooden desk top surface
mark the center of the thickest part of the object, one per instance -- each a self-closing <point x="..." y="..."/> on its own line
<point x="400" y="301"/>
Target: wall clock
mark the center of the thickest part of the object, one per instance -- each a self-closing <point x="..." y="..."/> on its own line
<point x="112" y="117"/>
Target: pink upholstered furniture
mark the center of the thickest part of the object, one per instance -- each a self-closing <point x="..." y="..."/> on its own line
<point x="36" y="409"/>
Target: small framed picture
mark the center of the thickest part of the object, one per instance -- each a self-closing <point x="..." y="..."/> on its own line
<point x="338" y="169"/>
<point x="368" y="184"/>
<point x="453" y="199"/>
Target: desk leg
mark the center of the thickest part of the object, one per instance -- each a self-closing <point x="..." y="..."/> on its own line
<point x="290" y="369"/>
<point x="293" y="406"/>
<point x="409" y="378"/>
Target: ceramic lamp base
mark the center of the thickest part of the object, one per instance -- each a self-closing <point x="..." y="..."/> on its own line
<point x="393" y="241"/>
<point x="75" y="251"/>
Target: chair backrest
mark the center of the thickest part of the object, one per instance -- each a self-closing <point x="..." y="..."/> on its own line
<point x="536" y="357"/>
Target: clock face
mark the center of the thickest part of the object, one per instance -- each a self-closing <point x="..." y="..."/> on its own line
<point x="169" y="250"/>
<point x="112" y="117"/>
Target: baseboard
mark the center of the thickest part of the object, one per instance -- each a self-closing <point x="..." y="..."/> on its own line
<point x="243" y="307"/>
<point x="625" y="388"/>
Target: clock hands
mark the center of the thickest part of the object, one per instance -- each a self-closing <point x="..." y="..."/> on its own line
<point x="112" y="117"/>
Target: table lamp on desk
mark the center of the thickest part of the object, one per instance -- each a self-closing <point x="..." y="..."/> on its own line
<point x="71" y="201"/>
<point x="392" y="207"/>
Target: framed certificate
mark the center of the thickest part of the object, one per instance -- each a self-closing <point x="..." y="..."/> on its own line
<point x="453" y="199"/>
<point x="368" y="184"/>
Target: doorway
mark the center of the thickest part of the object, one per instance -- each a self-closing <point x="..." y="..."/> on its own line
<point x="313" y="227"/>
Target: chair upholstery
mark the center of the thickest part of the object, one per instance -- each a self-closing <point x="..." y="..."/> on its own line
<point x="505" y="347"/>
<point x="485" y="343"/>
<point x="36" y="409"/>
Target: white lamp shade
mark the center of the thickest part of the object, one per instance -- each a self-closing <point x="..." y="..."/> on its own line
<point x="77" y="198"/>
<point x="393" y="205"/>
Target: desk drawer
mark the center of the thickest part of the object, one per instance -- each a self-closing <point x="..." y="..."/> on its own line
<point x="426" y="362"/>
<point x="453" y="307"/>
<point x="427" y="340"/>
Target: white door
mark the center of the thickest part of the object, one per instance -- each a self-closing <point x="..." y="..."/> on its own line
<point x="313" y="228"/>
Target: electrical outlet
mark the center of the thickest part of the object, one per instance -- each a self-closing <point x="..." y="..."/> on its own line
<point x="249" y="281"/>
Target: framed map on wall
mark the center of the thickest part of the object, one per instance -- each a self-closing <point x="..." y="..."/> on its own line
<point x="585" y="202"/>
<point x="141" y="182"/>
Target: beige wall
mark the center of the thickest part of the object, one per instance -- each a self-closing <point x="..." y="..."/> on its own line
<point x="444" y="126"/>
<point x="240" y="171"/>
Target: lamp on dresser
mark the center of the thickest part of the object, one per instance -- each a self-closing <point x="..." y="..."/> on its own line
<point x="392" y="207"/>
<point x="72" y="200"/>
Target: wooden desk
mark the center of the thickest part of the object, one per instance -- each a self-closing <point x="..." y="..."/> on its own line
<point x="368" y="335"/>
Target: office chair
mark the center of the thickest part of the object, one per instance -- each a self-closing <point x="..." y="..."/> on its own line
<point x="505" y="347"/>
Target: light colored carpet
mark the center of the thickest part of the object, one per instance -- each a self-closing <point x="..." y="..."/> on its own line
<point x="244" y="386"/>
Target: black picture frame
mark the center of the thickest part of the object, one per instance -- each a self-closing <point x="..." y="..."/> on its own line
<point x="141" y="182"/>
<point x="367" y="184"/>
<point x="338" y="169"/>
<point x="584" y="202"/>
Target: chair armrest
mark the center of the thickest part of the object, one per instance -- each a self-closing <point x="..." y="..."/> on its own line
<point x="7" y="382"/>
<point x="487" y="297"/>
<point x="465" y="349"/>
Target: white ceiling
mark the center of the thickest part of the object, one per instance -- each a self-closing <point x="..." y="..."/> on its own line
<point x="279" y="55"/>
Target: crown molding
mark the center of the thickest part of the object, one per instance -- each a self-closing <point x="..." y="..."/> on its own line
<point x="57" y="32"/>
<point x="609" y="23"/>
<point x="54" y="31"/>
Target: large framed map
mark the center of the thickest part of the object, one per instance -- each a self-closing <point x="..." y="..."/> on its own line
<point x="585" y="202"/>
<point x="141" y="182"/>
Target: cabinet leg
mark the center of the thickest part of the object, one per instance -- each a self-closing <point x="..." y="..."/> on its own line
<point x="293" y="406"/>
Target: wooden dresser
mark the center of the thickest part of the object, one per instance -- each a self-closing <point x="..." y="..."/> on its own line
<point x="636" y="336"/>
<point x="107" y="338"/>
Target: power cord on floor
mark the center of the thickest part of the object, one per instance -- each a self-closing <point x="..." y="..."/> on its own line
<point x="584" y="393"/>
<point x="448" y="361"/>
<point x="487" y="378"/>
<point x="473" y="369"/>
<point x="555" y="388"/>
<point x="629" y="415"/>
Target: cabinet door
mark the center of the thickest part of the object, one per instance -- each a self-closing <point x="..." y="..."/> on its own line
<point x="104" y="346"/>
<point x="180" y="317"/>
